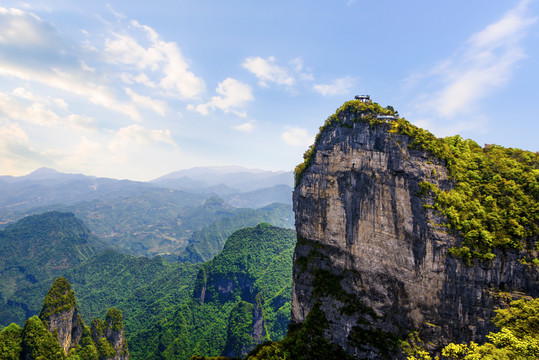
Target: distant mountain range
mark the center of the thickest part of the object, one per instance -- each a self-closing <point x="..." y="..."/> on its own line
<point x="161" y="217"/>
<point x="45" y="187"/>
<point x="236" y="178"/>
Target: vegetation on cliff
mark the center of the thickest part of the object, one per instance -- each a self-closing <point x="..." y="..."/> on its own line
<point x="239" y="298"/>
<point x="494" y="203"/>
<point x="37" y="340"/>
<point x="518" y="337"/>
<point x="59" y="299"/>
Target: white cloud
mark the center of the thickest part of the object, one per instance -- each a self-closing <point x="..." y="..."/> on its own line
<point x="85" y="67"/>
<point x="160" y="56"/>
<point x="245" y="127"/>
<point x="17" y="157"/>
<point x="484" y="63"/>
<point x="298" y="67"/>
<point x="26" y="38"/>
<point x="140" y="79"/>
<point x="267" y="71"/>
<point x="80" y="121"/>
<point x="146" y="102"/>
<point x="13" y="134"/>
<point x="23" y="93"/>
<point x="295" y="136"/>
<point x="119" y="16"/>
<point x="233" y="96"/>
<point x="36" y="112"/>
<point x="20" y="28"/>
<point x="136" y="135"/>
<point x="340" y="86"/>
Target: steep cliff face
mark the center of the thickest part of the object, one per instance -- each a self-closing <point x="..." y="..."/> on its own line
<point x="61" y="315"/>
<point x="109" y="336"/>
<point x="375" y="260"/>
<point x="249" y="282"/>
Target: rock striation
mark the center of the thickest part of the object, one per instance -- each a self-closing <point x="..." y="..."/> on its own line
<point x="61" y="316"/>
<point x="60" y="319"/>
<point x="375" y="260"/>
<point x="109" y="336"/>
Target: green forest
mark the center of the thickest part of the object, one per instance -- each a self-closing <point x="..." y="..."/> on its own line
<point x="44" y="336"/>
<point x="163" y="314"/>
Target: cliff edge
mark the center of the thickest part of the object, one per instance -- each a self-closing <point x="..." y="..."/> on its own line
<point x="376" y="254"/>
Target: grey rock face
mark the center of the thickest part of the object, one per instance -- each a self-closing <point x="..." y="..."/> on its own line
<point x="117" y="339"/>
<point x="374" y="256"/>
<point x="67" y="326"/>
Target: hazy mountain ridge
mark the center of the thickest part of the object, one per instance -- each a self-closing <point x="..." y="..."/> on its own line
<point x="209" y="241"/>
<point x="139" y="218"/>
<point x="235" y="177"/>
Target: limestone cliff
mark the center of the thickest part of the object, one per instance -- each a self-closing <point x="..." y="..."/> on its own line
<point x="109" y="336"/>
<point x="61" y="315"/>
<point x="374" y="259"/>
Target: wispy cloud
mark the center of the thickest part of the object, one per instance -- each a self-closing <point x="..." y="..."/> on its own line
<point x="147" y="102"/>
<point x="340" y="86"/>
<point x="245" y="127"/>
<point x="267" y="71"/>
<point x="136" y="135"/>
<point x="233" y="97"/>
<point x="23" y="105"/>
<point x="295" y="136"/>
<point x="484" y="63"/>
<point x="160" y="58"/>
<point x="17" y="156"/>
<point x="33" y="51"/>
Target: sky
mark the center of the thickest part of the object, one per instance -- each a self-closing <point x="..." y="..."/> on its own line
<point x="137" y="89"/>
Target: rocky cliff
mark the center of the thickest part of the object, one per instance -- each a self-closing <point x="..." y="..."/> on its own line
<point x="373" y="255"/>
<point x="60" y="318"/>
<point x="61" y="315"/>
<point x="109" y="336"/>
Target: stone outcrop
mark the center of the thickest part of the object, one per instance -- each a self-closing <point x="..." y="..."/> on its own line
<point x="375" y="260"/>
<point x="61" y="315"/>
<point x="109" y="336"/>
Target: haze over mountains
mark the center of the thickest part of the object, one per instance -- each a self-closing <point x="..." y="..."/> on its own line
<point x="195" y="209"/>
<point x="46" y="186"/>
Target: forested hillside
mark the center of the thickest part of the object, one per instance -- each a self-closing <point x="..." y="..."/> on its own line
<point x="59" y="332"/>
<point x="245" y="291"/>
<point x="151" y="293"/>
<point x="38" y="248"/>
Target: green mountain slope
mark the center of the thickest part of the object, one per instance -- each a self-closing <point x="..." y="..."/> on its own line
<point x="161" y="301"/>
<point x="60" y="333"/>
<point x="111" y="279"/>
<point x="206" y="243"/>
<point x="37" y="248"/>
<point x="240" y="298"/>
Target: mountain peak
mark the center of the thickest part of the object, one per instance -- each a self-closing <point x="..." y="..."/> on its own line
<point x="43" y="173"/>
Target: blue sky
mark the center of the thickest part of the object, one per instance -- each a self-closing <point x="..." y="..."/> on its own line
<point x="137" y="89"/>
